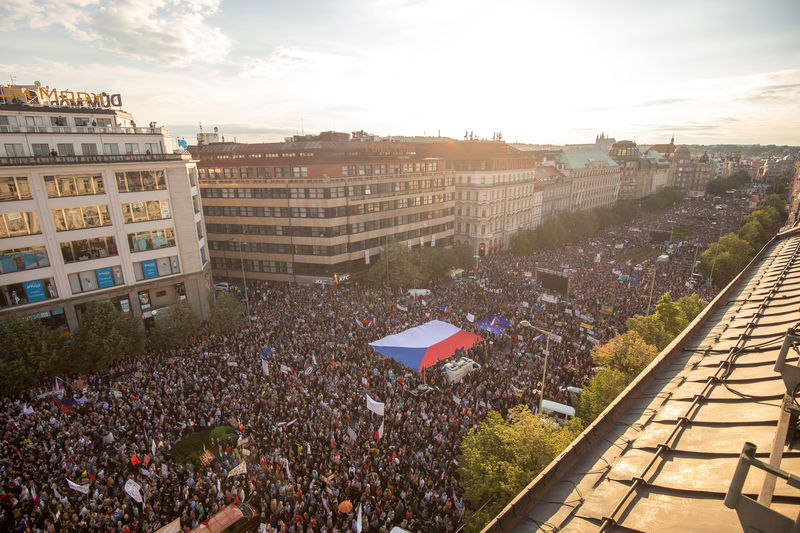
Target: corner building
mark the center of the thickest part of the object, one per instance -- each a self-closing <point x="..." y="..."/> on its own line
<point x="317" y="207"/>
<point x="93" y="207"/>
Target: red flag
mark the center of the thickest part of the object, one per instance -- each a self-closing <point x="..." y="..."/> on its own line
<point x="379" y="432"/>
<point x="135" y="460"/>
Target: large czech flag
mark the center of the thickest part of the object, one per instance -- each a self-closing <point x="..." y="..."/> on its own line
<point x="424" y="345"/>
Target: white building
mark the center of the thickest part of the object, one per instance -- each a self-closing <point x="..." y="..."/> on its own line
<point x="93" y="207"/>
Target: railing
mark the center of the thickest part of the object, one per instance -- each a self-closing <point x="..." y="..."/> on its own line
<point x="83" y="159"/>
<point x="84" y="129"/>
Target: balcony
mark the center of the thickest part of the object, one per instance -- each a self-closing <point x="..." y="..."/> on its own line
<point x="89" y="159"/>
<point x="84" y="129"/>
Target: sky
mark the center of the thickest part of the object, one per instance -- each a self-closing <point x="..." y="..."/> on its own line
<point x="711" y="72"/>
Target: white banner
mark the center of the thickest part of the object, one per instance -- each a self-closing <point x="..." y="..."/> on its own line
<point x="375" y="407"/>
<point x="358" y="522"/>
<point x="172" y="527"/>
<point x="366" y="256"/>
<point x="352" y="434"/>
<point x="470" y="317"/>
<point x="241" y="468"/>
<point x="285" y="369"/>
<point x="556" y="338"/>
<point x="265" y="367"/>
<point x="80" y="488"/>
<point x="525" y="305"/>
<point x="422" y="242"/>
<point x="592" y="340"/>
<point x="402" y="307"/>
<point x="164" y="470"/>
<point x="134" y="490"/>
<point x="548" y="298"/>
<point x="433" y="240"/>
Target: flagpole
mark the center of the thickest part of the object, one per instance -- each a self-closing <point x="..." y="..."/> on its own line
<point x="527" y="324"/>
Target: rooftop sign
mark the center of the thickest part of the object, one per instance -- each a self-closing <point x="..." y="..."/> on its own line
<point x="44" y="96"/>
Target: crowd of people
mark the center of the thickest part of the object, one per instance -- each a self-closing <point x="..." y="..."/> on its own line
<point x="293" y="383"/>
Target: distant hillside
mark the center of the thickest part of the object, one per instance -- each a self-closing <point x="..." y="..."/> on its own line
<point x="748" y="150"/>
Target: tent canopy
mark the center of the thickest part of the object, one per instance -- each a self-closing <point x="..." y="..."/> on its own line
<point x="424" y="345"/>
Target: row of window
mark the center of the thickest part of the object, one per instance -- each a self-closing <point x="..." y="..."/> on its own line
<point x="68" y="149"/>
<point x="19" y="259"/>
<point x="302" y="172"/>
<point x="309" y="249"/>
<point x="331" y="231"/>
<point x="82" y="217"/>
<point x="39" y="121"/>
<point x="251" y="265"/>
<point x="17" y="187"/>
<point x="325" y="192"/>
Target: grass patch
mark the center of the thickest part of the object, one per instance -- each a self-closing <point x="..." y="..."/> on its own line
<point x="636" y="255"/>
<point x="189" y="449"/>
<point x="682" y="232"/>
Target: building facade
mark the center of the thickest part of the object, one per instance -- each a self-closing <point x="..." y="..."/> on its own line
<point x="556" y="190"/>
<point x="93" y="207"/>
<point x="691" y="175"/>
<point x="312" y="209"/>
<point x="495" y="192"/>
<point x="595" y="178"/>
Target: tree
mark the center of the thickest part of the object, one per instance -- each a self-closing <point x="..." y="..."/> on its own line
<point x="727" y="257"/>
<point x="175" y="326"/>
<point x="628" y="354"/>
<point x="600" y="392"/>
<point x="29" y="351"/>
<point x="104" y="335"/>
<point x="500" y="457"/>
<point x="650" y="329"/>
<point x="227" y="314"/>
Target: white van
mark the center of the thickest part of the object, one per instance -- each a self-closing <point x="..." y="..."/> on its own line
<point x="456" y="370"/>
<point x="417" y="293"/>
<point x="557" y="410"/>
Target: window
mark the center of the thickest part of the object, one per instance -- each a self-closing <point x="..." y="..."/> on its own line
<point x="299" y="172"/>
<point x="8" y="121"/>
<point x="348" y="170"/>
<point x="34" y="121"/>
<point x="131" y="148"/>
<point x="40" y="149"/>
<point x="15" y="150"/>
<point x="111" y="148"/>
<point x="28" y="292"/>
<point x="151" y="240"/>
<point x="81" y="121"/>
<point x="86" y="249"/>
<point x="144" y="180"/>
<point x="66" y="149"/>
<point x="245" y="172"/>
<point x="156" y="268"/>
<point x="364" y="170"/>
<point x="19" y="259"/>
<point x="89" y="148"/>
<point x="199" y="230"/>
<point x="152" y="148"/>
<point x="282" y="172"/>
<point x="71" y="218"/>
<point x="73" y="185"/>
<point x="14" y="188"/>
<point x="263" y="172"/>
<point x="145" y="210"/>
<point x="229" y="173"/>
<point x="213" y="173"/>
<point x="92" y="280"/>
<point x="103" y="122"/>
<point x="19" y="224"/>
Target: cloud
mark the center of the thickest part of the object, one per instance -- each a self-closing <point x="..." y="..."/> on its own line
<point x="153" y="31"/>
<point x="287" y="59"/>
<point x="773" y="93"/>
<point x="648" y="103"/>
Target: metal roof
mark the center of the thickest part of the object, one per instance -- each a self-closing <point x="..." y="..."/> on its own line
<point x="661" y="457"/>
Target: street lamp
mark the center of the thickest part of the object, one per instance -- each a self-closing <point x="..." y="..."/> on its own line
<point x="527" y="324"/>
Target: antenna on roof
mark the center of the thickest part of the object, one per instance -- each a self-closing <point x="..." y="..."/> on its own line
<point x="201" y="127"/>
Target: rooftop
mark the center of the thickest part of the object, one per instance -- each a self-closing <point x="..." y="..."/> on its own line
<point x="89" y="159"/>
<point x="662" y="456"/>
<point x="575" y="159"/>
